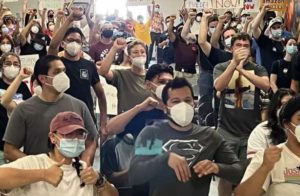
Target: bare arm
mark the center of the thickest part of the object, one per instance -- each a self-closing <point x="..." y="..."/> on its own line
<point x="202" y="38"/>
<point x="171" y="33"/>
<point x="223" y="80"/>
<point x="215" y="37"/>
<point x="187" y="26"/>
<point x="273" y="80"/>
<point x="261" y="82"/>
<point x="12" y="153"/>
<point x="25" y="32"/>
<point x="295" y="86"/>
<point x="43" y="17"/>
<point x="257" y="20"/>
<point x="102" y="104"/>
<point x="104" y="69"/>
<point x="7" y="98"/>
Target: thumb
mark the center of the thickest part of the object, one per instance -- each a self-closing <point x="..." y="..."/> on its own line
<point x="60" y="163"/>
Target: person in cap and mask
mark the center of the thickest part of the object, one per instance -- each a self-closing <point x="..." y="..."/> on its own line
<point x="10" y="68"/>
<point x="82" y="73"/>
<point x="29" y="123"/>
<point x="57" y="172"/>
<point x="275" y="171"/>
<point x="270" y="39"/>
<point x="178" y="157"/>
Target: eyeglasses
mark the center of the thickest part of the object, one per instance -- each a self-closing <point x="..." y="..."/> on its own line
<point x="8" y="63"/>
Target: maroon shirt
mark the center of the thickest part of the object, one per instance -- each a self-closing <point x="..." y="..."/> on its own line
<point x="99" y="51"/>
<point x="185" y="55"/>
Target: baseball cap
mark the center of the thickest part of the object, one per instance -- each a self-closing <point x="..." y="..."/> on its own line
<point x="156" y="69"/>
<point x="274" y="21"/>
<point x="66" y="122"/>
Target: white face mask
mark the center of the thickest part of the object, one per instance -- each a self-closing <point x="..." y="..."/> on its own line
<point x="60" y="82"/>
<point x="11" y="72"/>
<point x="228" y="42"/>
<point x="212" y="30"/>
<point x="139" y="62"/>
<point x="182" y="114"/>
<point x="5" y="48"/>
<point x="5" y="30"/>
<point x="37" y="90"/>
<point x="73" y="48"/>
<point x="38" y="47"/>
<point x="35" y="29"/>
<point x="158" y="91"/>
<point x="243" y="19"/>
<point x="297" y="131"/>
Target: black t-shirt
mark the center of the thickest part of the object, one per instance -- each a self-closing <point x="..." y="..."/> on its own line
<point x="270" y="51"/>
<point x="28" y="49"/>
<point x="83" y="74"/>
<point x="141" y="120"/>
<point x="295" y="68"/>
<point x="22" y="93"/>
<point x="282" y="69"/>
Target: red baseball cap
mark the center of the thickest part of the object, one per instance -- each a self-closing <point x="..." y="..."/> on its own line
<point x="66" y="122"/>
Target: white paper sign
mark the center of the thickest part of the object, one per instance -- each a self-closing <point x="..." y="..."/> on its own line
<point x="111" y="94"/>
<point x="29" y="60"/>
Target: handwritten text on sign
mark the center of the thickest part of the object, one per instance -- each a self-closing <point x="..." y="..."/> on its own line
<point x="276" y="5"/>
<point x="215" y="4"/>
<point x="52" y="4"/>
<point x="29" y="60"/>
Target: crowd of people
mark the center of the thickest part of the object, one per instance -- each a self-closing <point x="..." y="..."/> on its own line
<point x="222" y="102"/>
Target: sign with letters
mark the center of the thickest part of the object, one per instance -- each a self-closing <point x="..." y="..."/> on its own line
<point x="276" y="5"/>
<point x="214" y="4"/>
<point x="251" y="6"/>
<point x="138" y="2"/>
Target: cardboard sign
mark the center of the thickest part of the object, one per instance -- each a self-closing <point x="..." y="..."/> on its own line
<point x="138" y="2"/>
<point x="29" y="60"/>
<point x="214" y="4"/>
<point x="251" y="6"/>
<point x="276" y="5"/>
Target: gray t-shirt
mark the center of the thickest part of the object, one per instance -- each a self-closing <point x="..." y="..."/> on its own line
<point x="131" y="90"/>
<point x="152" y="148"/>
<point x="29" y="124"/>
<point x="239" y="103"/>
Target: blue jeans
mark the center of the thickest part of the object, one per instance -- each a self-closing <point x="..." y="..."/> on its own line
<point x="206" y="86"/>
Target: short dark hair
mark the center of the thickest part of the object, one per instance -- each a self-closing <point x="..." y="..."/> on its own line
<point x="241" y="36"/>
<point x="213" y="18"/>
<point x="42" y="66"/>
<point x="175" y="84"/>
<point x="157" y="69"/>
<point x="5" y="55"/>
<point x="74" y="30"/>
<point x="227" y="29"/>
<point x="289" y="109"/>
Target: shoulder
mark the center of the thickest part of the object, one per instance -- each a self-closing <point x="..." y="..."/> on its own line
<point x="222" y="65"/>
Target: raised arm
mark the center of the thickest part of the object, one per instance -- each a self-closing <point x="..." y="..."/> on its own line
<point x="185" y="33"/>
<point x="7" y="98"/>
<point x="215" y="37"/>
<point x="76" y="14"/>
<point x="171" y="33"/>
<point x="104" y="69"/>
<point x="43" y="17"/>
<point x="202" y="39"/>
<point x="245" y="29"/>
<point x="25" y="32"/>
<point x="257" y="20"/>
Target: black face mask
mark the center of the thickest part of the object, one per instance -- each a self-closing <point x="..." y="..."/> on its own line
<point x="107" y="33"/>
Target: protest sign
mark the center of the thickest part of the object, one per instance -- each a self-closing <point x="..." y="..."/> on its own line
<point x="138" y="2"/>
<point x="276" y="5"/>
<point x="51" y="4"/>
<point x="201" y="4"/>
<point x="29" y="60"/>
<point x="111" y="94"/>
<point x="214" y="4"/>
<point x="251" y="6"/>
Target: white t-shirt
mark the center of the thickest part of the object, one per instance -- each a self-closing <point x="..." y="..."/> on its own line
<point x="69" y="185"/>
<point x="284" y="179"/>
<point x="258" y="139"/>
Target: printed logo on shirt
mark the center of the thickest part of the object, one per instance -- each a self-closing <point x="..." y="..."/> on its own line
<point x="84" y="74"/>
<point x="240" y="93"/>
<point x="152" y="147"/>
<point x="285" y="70"/>
<point x="17" y="96"/>
<point x="292" y="175"/>
<point x="186" y="148"/>
<point x="105" y="52"/>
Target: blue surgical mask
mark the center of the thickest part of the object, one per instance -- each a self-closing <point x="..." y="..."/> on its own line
<point x="71" y="147"/>
<point x="291" y="49"/>
<point x="276" y="33"/>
